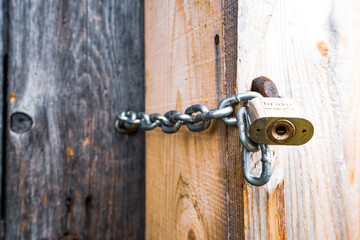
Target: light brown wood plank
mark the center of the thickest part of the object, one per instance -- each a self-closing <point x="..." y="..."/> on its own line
<point x="187" y="173"/>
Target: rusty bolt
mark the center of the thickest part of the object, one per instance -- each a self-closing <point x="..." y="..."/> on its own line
<point x="265" y="87"/>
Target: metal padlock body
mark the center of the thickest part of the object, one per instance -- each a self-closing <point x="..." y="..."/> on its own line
<point x="278" y="121"/>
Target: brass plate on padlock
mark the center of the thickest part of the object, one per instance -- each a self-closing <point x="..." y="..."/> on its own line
<point x="265" y="131"/>
<point x="278" y="121"/>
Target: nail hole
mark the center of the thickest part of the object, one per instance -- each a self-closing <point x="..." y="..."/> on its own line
<point x="68" y="202"/>
<point x="257" y="130"/>
<point x="88" y="201"/>
<point x="303" y="132"/>
<point x="217" y="39"/>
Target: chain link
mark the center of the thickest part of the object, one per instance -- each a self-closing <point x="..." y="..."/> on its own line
<point x="171" y="121"/>
<point x="249" y="146"/>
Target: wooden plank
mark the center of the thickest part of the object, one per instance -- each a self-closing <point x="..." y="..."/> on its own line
<point x="74" y="65"/>
<point x="190" y="58"/>
<point x="311" y="51"/>
<point x="3" y="69"/>
<point x="234" y="174"/>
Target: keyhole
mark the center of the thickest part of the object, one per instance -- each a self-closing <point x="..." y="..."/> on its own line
<point x="281" y="130"/>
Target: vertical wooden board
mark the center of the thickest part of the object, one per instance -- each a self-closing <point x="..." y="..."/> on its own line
<point x="232" y="145"/>
<point x="74" y="65"/>
<point x="311" y="51"/>
<point x="189" y="54"/>
<point x="3" y="68"/>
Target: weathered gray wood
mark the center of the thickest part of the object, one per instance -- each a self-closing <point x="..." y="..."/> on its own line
<point x="3" y="69"/>
<point x="73" y="65"/>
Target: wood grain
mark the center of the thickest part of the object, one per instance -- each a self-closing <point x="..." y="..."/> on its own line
<point x="231" y="142"/>
<point x="190" y="58"/>
<point x="74" y="65"/>
<point x="311" y="51"/>
<point x="3" y="70"/>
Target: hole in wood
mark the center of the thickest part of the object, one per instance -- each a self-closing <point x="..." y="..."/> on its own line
<point x="217" y="39"/>
<point x="88" y="202"/>
<point x="20" y="122"/>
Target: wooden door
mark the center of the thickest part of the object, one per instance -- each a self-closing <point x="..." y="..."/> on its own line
<point x="202" y="51"/>
<point x="68" y="68"/>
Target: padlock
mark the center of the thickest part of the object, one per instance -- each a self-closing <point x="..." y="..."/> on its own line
<point x="278" y="121"/>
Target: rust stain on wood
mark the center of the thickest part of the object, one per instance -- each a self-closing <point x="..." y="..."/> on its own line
<point x="323" y="48"/>
<point x="351" y="176"/>
<point x="45" y="200"/>
<point x="86" y="141"/>
<point x="92" y="168"/>
<point x="23" y="226"/>
<point x="70" y="151"/>
<point x="276" y="214"/>
<point x="12" y="97"/>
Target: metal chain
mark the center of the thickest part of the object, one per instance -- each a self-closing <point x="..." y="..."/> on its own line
<point x="249" y="146"/>
<point x="171" y="121"/>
